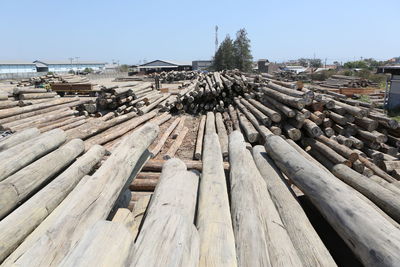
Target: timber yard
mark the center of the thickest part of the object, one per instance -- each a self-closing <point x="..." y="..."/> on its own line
<point x="282" y="151"/>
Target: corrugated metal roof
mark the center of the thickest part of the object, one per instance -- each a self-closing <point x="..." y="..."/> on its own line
<point x="171" y="62"/>
<point x="60" y="62"/>
<point x="6" y="62"/>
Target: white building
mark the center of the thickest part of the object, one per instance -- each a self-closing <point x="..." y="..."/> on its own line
<point x="65" y="66"/>
<point x="11" y="67"/>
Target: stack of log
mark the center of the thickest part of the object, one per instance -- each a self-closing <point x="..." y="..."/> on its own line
<point x="31" y="95"/>
<point x="51" y="114"/>
<point x="172" y="76"/>
<point x="140" y="99"/>
<point x="342" y="81"/>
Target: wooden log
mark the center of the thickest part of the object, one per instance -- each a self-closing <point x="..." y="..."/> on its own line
<point x="62" y="122"/>
<point x="8" y="104"/>
<point x="327" y="151"/>
<point x="89" y="203"/>
<point x="175" y="146"/>
<point x="98" y="247"/>
<point x="312" y="129"/>
<point x="138" y="213"/>
<point x="292" y="132"/>
<point x="199" y="140"/>
<point x="311" y="250"/>
<point x="15" y="188"/>
<point x="248" y="128"/>
<point x="37" y="95"/>
<point x="291" y="101"/>
<point x="222" y="134"/>
<point x="332" y="198"/>
<point x="275" y="116"/>
<point x="258" y="114"/>
<point x="155" y="165"/>
<point x="234" y="117"/>
<point x="260" y="239"/>
<point x="73" y="124"/>
<point x="164" y="138"/>
<point x="178" y="128"/>
<point x="22" y="221"/>
<point x="341" y="149"/>
<point x="18" y="138"/>
<point x="384" y="198"/>
<point x="269" y="101"/>
<point x="378" y="171"/>
<point x="169" y="228"/>
<point x="14" y="159"/>
<point x="18" y="110"/>
<point x="117" y="131"/>
<point x="213" y="209"/>
<point x="148" y="184"/>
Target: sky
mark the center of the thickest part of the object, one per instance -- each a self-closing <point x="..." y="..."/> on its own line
<point x="132" y="32"/>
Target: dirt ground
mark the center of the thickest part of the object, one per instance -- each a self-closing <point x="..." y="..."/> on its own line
<point x="186" y="150"/>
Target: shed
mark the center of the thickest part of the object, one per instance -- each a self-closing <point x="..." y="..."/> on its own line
<point x="164" y="65"/>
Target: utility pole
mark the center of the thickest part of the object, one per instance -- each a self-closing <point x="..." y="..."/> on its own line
<point x="216" y="38"/>
<point x="71" y="58"/>
<point x="77" y="67"/>
<point x="325" y="62"/>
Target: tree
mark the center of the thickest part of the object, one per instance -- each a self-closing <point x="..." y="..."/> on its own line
<point x="315" y="62"/>
<point x="303" y="62"/>
<point x="224" y="58"/>
<point x="123" y="68"/>
<point x="243" y="57"/>
<point x="355" y="65"/>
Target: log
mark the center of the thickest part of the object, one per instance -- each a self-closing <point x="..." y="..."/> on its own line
<point x="260" y="238"/>
<point x="21" y="222"/>
<point x="327" y="151"/>
<point x="175" y="146"/>
<point x="148" y="184"/>
<point x="213" y="215"/>
<point x="311" y="250"/>
<point x="199" y="140"/>
<point x="88" y="203"/>
<point x="19" y="156"/>
<point x="8" y="104"/>
<point x="341" y="149"/>
<point x="291" y="101"/>
<point x="164" y="138"/>
<point x="18" y="138"/>
<point x="275" y="116"/>
<point x="378" y="171"/>
<point x="63" y="122"/>
<point x="312" y="129"/>
<point x="138" y="213"/>
<point x="117" y="131"/>
<point x="222" y="134"/>
<point x="248" y="128"/>
<point x="98" y="247"/>
<point x="169" y="228"/>
<point x="37" y="95"/>
<point x="19" y="110"/>
<point x="179" y="128"/>
<point x="234" y="117"/>
<point x="387" y="200"/>
<point x="343" y="209"/>
<point x="155" y="165"/>
<point x="17" y="187"/>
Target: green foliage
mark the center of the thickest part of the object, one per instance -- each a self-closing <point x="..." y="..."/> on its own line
<point x="50" y="73"/>
<point x="234" y="54"/>
<point x="88" y="70"/>
<point x="243" y="57"/>
<point x="355" y="65"/>
<point x="364" y="98"/>
<point x="71" y="72"/>
<point x="224" y="58"/>
<point x="123" y="68"/>
<point x="315" y="62"/>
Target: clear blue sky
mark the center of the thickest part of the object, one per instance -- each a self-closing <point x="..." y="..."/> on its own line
<point x="130" y="31"/>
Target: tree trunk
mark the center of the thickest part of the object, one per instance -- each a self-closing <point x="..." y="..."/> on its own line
<point x="18" y="138"/>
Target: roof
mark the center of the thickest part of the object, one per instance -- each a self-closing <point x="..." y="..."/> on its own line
<point x="16" y="63"/>
<point x="164" y="64"/>
<point x="60" y="62"/>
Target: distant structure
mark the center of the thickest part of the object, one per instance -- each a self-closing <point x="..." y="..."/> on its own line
<point x="164" y="65"/>
<point x="7" y="67"/>
<point x="201" y="64"/>
<point x="264" y="66"/>
<point x="392" y="93"/>
<point x="65" y="66"/>
<point x="216" y="38"/>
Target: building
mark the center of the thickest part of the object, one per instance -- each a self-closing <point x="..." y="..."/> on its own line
<point x="201" y="64"/>
<point x="164" y="65"/>
<point x="392" y="93"/>
<point x="15" y="67"/>
<point x="65" y="66"/>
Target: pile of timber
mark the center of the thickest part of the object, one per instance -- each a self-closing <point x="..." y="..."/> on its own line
<point x="342" y="81"/>
<point x="172" y="76"/>
<point x="30" y="95"/>
<point x="140" y="99"/>
<point x="48" y="115"/>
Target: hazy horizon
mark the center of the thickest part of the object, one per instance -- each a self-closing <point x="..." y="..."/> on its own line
<point x="130" y="31"/>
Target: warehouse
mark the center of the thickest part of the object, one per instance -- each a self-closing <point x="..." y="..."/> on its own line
<point x="65" y="66"/>
<point x="7" y="67"/>
<point x="202" y="64"/>
<point x="164" y="65"/>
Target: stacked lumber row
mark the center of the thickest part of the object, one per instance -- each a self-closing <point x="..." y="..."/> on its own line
<point x="52" y="114"/>
<point x="7" y="100"/>
<point x="31" y="95"/>
<point x="172" y="76"/>
<point x="140" y="99"/>
<point x="61" y="220"/>
<point x="342" y="81"/>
